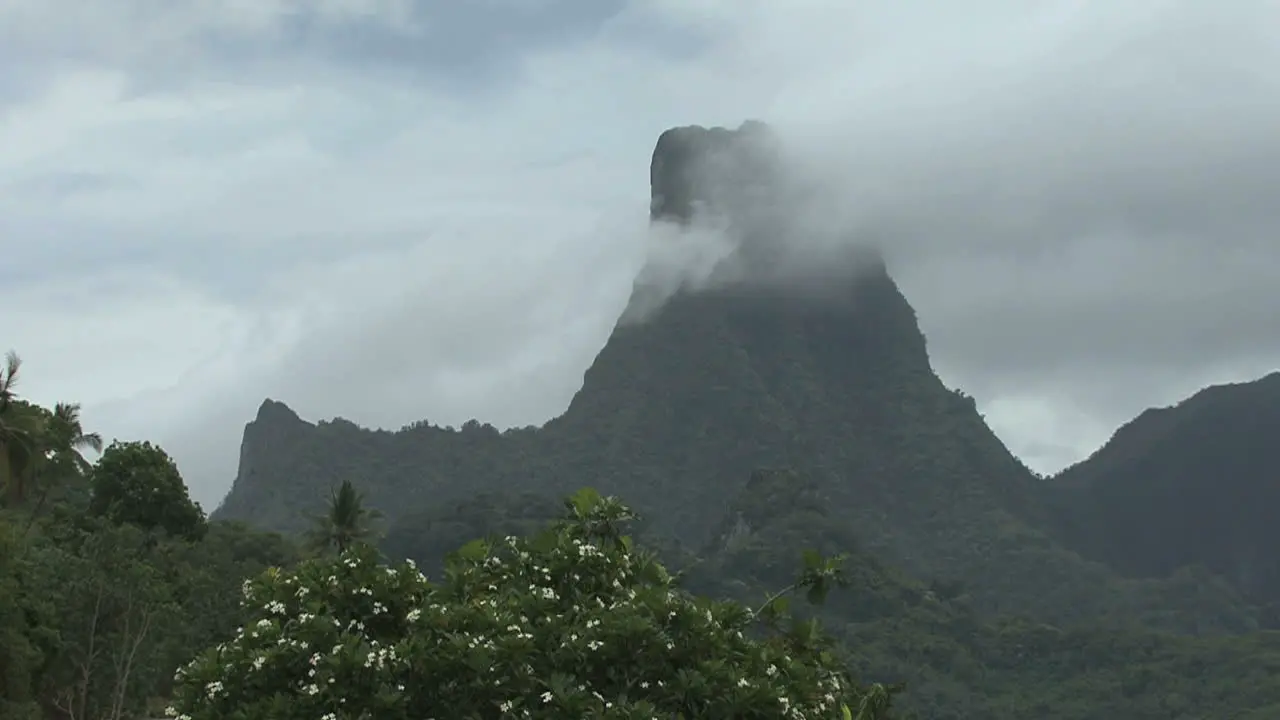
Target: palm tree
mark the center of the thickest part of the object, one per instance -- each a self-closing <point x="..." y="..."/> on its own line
<point x="346" y="523"/>
<point x="15" y="441"/>
<point x="9" y="378"/>
<point x="60" y="451"/>
<point x="65" y="440"/>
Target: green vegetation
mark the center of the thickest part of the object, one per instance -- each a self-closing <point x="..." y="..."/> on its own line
<point x="139" y="484"/>
<point x="428" y="536"/>
<point x="955" y="661"/>
<point x="1204" y="465"/>
<point x="346" y="523"/>
<point x="109" y="575"/>
<point x="570" y="623"/>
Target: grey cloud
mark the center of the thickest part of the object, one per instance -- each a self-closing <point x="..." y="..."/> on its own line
<point x="1128" y="303"/>
<point x="532" y="329"/>
<point x="59" y="185"/>
<point x="23" y="78"/>
<point x="462" y="47"/>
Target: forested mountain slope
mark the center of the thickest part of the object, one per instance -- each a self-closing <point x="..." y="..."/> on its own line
<point x="1193" y="484"/>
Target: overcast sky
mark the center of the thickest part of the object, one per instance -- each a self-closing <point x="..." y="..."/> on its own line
<point x="393" y="210"/>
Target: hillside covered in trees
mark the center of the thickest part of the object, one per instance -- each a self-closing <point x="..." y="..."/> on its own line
<point x="1188" y="485"/>
<point x="751" y="414"/>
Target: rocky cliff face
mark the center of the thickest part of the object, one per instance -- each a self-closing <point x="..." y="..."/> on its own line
<point x="696" y="169"/>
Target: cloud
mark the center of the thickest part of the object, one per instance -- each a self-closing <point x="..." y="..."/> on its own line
<point x="402" y="209"/>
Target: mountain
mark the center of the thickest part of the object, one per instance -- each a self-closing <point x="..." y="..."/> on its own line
<point x="1193" y="484"/>
<point x="780" y="357"/>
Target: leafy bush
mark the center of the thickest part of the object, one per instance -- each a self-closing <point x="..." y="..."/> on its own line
<point x="570" y="623"/>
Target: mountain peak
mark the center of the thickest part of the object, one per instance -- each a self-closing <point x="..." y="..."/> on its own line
<point x="733" y="215"/>
<point x="273" y="412"/>
<point x="696" y="167"/>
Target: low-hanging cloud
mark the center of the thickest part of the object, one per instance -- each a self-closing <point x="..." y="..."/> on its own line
<point x="225" y="203"/>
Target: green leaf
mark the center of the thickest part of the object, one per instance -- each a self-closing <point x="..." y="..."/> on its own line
<point x="474" y="551"/>
<point x="778" y="607"/>
<point x="584" y="501"/>
<point x="812" y="560"/>
<point x="817" y="593"/>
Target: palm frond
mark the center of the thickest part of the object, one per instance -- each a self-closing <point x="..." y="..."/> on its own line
<point x="9" y="376"/>
<point x="88" y="441"/>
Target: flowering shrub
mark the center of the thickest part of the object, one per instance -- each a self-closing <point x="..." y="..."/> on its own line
<point x="571" y="623"/>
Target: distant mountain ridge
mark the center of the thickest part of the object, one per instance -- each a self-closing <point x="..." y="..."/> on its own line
<point x="678" y="412"/>
<point x="1197" y="483"/>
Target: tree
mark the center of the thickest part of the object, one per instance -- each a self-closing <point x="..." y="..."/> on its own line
<point x="38" y="445"/>
<point x="346" y="521"/>
<point x="60" y="452"/>
<point x="96" y="607"/>
<point x="66" y="440"/>
<point x="138" y="483"/>
<point x="15" y="439"/>
<point x="20" y="659"/>
<point x="107" y="611"/>
<point x="9" y="378"/>
<point x="572" y="622"/>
